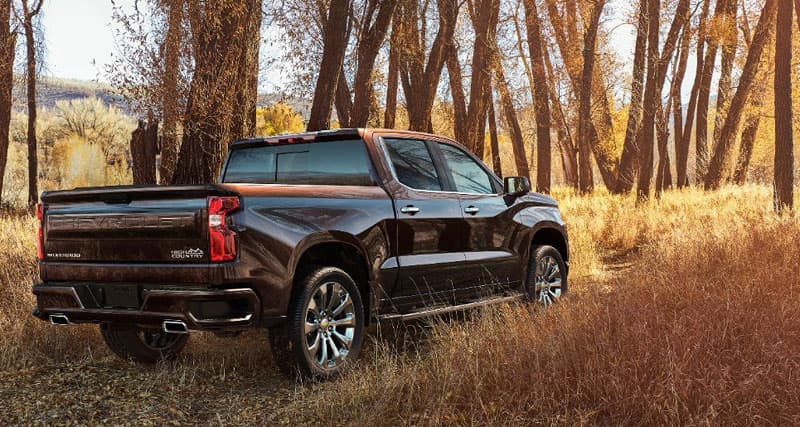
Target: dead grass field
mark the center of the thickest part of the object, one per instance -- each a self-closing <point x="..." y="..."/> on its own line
<point x="683" y="311"/>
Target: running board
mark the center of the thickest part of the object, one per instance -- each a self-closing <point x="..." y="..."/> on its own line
<point x="426" y="312"/>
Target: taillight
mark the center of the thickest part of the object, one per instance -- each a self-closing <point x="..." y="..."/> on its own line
<point x="222" y="240"/>
<point x="40" y="232"/>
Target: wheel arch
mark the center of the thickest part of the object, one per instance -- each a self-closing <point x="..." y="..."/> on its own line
<point x="333" y="249"/>
<point x="554" y="235"/>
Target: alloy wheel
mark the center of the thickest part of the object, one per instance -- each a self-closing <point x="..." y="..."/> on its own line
<point x="547" y="281"/>
<point x="330" y="325"/>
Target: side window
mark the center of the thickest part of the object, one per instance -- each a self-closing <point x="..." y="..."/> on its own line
<point x="412" y="163"/>
<point x="468" y="175"/>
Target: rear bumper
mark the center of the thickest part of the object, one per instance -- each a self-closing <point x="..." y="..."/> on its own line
<point x="199" y="309"/>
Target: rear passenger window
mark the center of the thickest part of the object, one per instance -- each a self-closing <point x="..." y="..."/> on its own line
<point x="468" y="175"/>
<point x="319" y="163"/>
<point x="412" y="164"/>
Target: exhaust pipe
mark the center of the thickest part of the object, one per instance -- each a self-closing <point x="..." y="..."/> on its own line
<point x="59" y="319"/>
<point x="174" y="327"/>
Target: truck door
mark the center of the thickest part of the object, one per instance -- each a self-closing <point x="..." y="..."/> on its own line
<point x="494" y="241"/>
<point x="430" y="235"/>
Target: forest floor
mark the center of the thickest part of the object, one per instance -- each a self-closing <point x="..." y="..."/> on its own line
<point x="681" y="311"/>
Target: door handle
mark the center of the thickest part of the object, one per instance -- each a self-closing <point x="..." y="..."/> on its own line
<point x="472" y="210"/>
<point x="410" y="209"/>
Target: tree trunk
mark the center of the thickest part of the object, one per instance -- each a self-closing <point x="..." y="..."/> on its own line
<point x="419" y="77"/>
<point x="369" y="44"/>
<point x="244" y="123"/>
<point x="724" y="91"/>
<point x="651" y="99"/>
<point x="682" y="157"/>
<point x="523" y="58"/>
<point x="144" y="143"/>
<point x="751" y="125"/>
<point x="169" y="91"/>
<point x="784" y="142"/>
<point x="334" y="45"/>
<point x="704" y="92"/>
<point x="797" y="12"/>
<point x="586" y="180"/>
<point x="514" y="130"/>
<point x="8" y="42"/>
<point x="457" y="92"/>
<point x="343" y="103"/>
<point x="716" y="169"/>
<point x="219" y="33"/>
<point x="485" y="25"/>
<point x="30" y="79"/>
<point x="533" y="26"/>
<point x="566" y="145"/>
<point x="750" y="130"/>
<point x="663" y="174"/>
<point x="627" y="165"/>
<point x="390" y="113"/>
<point x="497" y="165"/>
<point x="600" y="123"/>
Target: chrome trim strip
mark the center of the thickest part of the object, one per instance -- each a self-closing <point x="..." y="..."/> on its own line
<point x="245" y="318"/>
<point x="198" y="293"/>
<point x="450" y="309"/>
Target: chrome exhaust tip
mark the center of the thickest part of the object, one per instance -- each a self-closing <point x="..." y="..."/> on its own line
<point x="174" y="327"/>
<point x="59" y="319"/>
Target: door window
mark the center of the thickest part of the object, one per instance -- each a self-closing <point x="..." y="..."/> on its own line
<point x="468" y="175"/>
<point x="412" y="164"/>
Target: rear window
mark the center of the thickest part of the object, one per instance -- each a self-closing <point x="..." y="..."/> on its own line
<point x="318" y="163"/>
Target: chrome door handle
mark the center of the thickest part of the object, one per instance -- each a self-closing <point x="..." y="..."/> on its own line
<point x="472" y="210"/>
<point x="411" y="210"/>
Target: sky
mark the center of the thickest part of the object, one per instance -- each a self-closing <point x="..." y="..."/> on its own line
<point x="79" y="39"/>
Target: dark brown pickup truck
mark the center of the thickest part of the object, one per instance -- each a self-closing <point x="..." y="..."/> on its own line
<point x="311" y="235"/>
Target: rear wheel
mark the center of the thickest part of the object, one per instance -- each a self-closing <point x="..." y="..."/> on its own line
<point x="143" y="345"/>
<point x="325" y="329"/>
<point x="547" y="276"/>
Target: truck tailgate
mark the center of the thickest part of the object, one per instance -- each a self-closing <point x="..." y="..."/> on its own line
<point x="128" y="225"/>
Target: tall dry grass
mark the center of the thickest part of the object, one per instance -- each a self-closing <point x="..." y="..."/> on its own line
<point x="24" y="340"/>
<point x="702" y="327"/>
<point x="682" y="311"/>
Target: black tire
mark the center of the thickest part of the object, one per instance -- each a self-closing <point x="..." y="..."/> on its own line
<point x="537" y="290"/>
<point x="301" y="349"/>
<point x="142" y="345"/>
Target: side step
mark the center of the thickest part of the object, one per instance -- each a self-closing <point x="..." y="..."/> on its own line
<point x="434" y="311"/>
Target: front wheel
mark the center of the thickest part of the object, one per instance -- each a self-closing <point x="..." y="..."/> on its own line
<point x="325" y="327"/>
<point x="143" y="345"/>
<point x="547" y="276"/>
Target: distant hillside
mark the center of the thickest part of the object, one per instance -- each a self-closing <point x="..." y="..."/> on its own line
<point x="49" y="90"/>
<point x="52" y="89"/>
